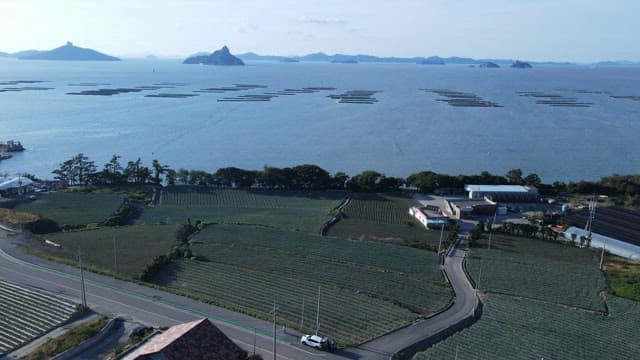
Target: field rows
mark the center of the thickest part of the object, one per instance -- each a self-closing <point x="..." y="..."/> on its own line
<point x="560" y="283"/>
<point x="26" y="314"/>
<point x="525" y="329"/>
<point x="420" y="295"/>
<point x="74" y="209"/>
<point x="411" y="262"/>
<point x="136" y="246"/>
<point x="249" y="198"/>
<point x="345" y="316"/>
<point x="380" y="208"/>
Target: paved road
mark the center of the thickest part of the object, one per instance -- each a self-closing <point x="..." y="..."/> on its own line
<point x="146" y="305"/>
<point x="157" y="308"/>
<point x="464" y="305"/>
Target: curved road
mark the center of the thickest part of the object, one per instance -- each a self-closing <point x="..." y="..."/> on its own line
<point x="158" y="308"/>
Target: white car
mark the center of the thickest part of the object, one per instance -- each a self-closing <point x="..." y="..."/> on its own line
<point x="314" y="341"/>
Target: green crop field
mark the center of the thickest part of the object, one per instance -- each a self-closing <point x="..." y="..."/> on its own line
<point x="303" y="211"/>
<point x="74" y="208"/>
<point x="136" y="246"/>
<point x="512" y="328"/>
<point x="382" y="208"/>
<point x="541" y="301"/>
<point x="368" y="288"/>
<point x="538" y="269"/>
<point x="385" y="218"/>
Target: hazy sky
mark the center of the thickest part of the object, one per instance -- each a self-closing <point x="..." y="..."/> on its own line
<point x="572" y="30"/>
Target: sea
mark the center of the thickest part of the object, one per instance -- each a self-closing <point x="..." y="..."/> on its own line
<point x="565" y="123"/>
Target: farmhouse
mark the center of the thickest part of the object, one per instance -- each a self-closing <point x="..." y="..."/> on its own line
<point x="615" y="228"/>
<point x="428" y="216"/>
<point x="194" y="340"/>
<point x="466" y="208"/>
<point x="502" y="193"/>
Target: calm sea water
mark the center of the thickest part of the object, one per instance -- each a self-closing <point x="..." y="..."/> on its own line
<point x="406" y="131"/>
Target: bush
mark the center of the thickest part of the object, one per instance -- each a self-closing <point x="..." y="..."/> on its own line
<point x="43" y="226"/>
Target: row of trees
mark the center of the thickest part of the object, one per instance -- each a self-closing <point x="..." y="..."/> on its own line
<point x="80" y="170"/>
<point x="429" y="181"/>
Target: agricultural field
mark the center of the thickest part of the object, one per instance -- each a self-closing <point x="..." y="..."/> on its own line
<point x="536" y="269"/>
<point x="384" y="218"/>
<point x="27" y="314"/>
<point x="74" y="208"/>
<point x="513" y="328"/>
<point x="541" y="300"/>
<point x="367" y="289"/>
<point x="624" y="277"/>
<point x="136" y="246"/>
<point x="299" y="211"/>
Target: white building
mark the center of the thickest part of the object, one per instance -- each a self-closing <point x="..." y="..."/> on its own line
<point x="611" y="245"/>
<point x="502" y="193"/>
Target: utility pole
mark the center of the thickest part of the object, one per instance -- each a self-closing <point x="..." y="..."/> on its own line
<point x="441" y="234"/>
<point x="602" y="254"/>
<point x="491" y="228"/>
<point x="254" y="340"/>
<point x="302" y="317"/>
<point x="318" y="313"/>
<point x="275" y="309"/>
<point x="84" y="296"/>
<point x="115" y="255"/>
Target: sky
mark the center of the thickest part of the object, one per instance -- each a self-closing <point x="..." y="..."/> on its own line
<point x="536" y="30"/>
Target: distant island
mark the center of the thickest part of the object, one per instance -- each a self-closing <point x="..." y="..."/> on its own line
<point x="489" y="65"/>
<point x="521" y="65"/>
<point x="218" y="57"/>
<point x="360" y="58"/>
<point x="432" y="60"/>
<point x="344" y="61"/>
<point x="67" y="52"/>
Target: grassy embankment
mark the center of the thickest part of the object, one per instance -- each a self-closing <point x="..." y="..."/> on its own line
<point x="70" y="339"/>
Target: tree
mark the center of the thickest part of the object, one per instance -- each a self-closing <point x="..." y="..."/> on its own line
<point x="310" y="177"/>
<point x="234" y="177"/>
<point x="275" y="178"/>
<point x="514" y="176"/>
<point x="425" y="181"/>
<point x="158" y="170"/>
<point x="366" y="181"/>
<point x="136" y="172"/>
<point x="78" y="170"/>
<point x="171" y="176"/>
<point x="183" y="176"/>
<point x="340" y="180"/>
<point x="112" y="171"/>
<point x="532" y="180"/>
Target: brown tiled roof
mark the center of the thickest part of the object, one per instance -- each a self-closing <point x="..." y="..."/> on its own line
<point x="195" y="340"/>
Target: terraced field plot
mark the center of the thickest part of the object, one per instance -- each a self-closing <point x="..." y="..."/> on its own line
<point x="547" y="307"/>
<point x="136" y="246"/>
<point x="512" y="328"/>
<point x="27" y="314"/>
<point x="382" y="217"/>
<point x="368" y="288"/>
<point x="304" y="211"/>
<point x="540" y="270"/>
<point x="74" y="208"/>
